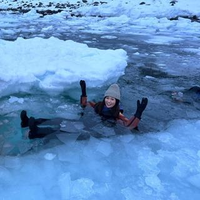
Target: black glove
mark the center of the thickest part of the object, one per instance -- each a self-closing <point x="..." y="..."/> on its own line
<point x="83" y="88"/>
<point x="140" y="107"/>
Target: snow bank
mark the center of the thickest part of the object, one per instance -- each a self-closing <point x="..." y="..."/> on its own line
<point x="54" y="65"/>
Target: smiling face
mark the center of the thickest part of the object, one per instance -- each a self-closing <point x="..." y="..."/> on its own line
<point x="110" y="102"/>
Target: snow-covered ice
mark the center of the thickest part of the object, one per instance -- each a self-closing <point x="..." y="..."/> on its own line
<point x="53" y="64"/>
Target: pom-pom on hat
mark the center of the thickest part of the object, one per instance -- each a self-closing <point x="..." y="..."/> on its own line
<point x="113" y="91"/>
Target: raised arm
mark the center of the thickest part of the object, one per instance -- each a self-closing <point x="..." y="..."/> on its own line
<point x="83" y="98"/>
<point x="133" y="122"/>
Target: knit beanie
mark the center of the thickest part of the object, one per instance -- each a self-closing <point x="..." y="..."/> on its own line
<point x="113" y="91"/>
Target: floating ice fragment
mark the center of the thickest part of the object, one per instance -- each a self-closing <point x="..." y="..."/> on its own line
<point x="128" y="193"/>
<point x="24" y="146"/>
<point x="47" y="28"/>
<point x="12" y="162"/>
<point x="70" y="156"/>
<point x="65" y="185"/>
<point x="89" y="149"/>
<point x="8" y="31"/>
<point x="194" y="180"/>
<point x="104" y="131"/>
<point x="71" y="127"/>
<point x="7" y="147"/>
<point x="126" y="138"/>
<point x="13" y="99"/>
<point x="87" y="42"/>
<point x="67" y="137"/>
<point x="150" y="77"/>
<point x="49" y="156"/>
<point x="173" y="196"/>
<point x="105" y="148"/>
<point x="154" y="182"/>
<point x="163" y="40"/>
<point x="78" y="125"/>
<point x="62" y="125"/>
<point x="158" y="52"/>
<point x="109" y="37"/>
<point x="82" y="188"/>
<point x="165" y="137"/>
<point x="161" y="64"/>
<point x="5" y="175"/>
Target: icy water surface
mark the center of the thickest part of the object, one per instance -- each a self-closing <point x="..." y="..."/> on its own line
<point x="155" y="69"/>
<point x="159" y="162"/>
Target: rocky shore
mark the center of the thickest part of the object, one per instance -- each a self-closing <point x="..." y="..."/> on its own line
<point x="50" y="8"/>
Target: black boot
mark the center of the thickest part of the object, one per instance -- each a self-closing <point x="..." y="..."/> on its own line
<point x="24" y="119"/>
<point x="33" y="128"/>
<point x="37" y="132"/>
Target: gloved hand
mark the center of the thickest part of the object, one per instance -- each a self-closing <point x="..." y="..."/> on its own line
<point x="141" y="107"/>
<point x="83" y="88"/>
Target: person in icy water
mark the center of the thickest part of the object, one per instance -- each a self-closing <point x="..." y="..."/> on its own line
<point x="108" y="109"/>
